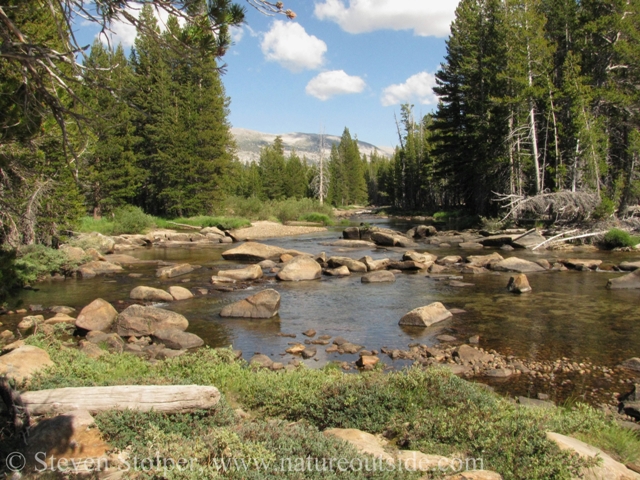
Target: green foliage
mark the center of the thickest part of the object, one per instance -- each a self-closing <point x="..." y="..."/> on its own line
<point x="37" y="261"/>
<point x="605" y="208"/>
<point x="9" y="279"/>
<point x="316" y="217"/>
<point x="103" y="225"/>
<point x="616" y="238"/>
<point x="131" y="220"/>
<point x="426" y="409"/>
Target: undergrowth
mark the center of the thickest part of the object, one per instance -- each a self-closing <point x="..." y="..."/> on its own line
<point x="423" y="409"/>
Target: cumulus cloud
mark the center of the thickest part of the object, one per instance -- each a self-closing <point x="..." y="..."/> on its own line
<point x="336" y="82"/>
<point x="417" y="88"/>
<point x="125" y="33"/>
<point x="236" y="34"/>
<point x="424" y="17"/>
<point x="292" y="47"/>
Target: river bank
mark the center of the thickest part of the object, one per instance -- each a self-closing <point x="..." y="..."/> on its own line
<point x="366" y="317"/>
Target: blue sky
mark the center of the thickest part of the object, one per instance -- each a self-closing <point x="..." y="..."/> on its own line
<point x="340" y="63"/>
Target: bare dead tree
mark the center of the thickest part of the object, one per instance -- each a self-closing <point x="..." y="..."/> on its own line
<point x="563" y="206"/>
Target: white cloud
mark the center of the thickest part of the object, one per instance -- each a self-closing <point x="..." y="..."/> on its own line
<point x="292" y="47"/>
<point x="335" y="82"/>
<point x="418" y="87"/>
<point x="121" y="31"/>
<point x="236" y="34"/>
<point x="424" y="17"/>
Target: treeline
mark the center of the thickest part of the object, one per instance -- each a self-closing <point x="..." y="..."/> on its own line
<point x="535" y="96"/>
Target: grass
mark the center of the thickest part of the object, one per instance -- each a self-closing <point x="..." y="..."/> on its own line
<point x="428" y="410"/>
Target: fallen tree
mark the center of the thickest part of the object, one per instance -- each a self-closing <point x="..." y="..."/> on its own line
<point x="143" y="398"/>
<point x="563" y="206"/>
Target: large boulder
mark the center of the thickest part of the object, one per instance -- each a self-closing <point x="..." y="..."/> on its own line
<point x="581" y="263"/>
<point x="373" y="265"/>
<point x="628" y="281"/>
<point x="528" y="241"/>
<point x="72" y="436"/>
<point x="391" y="239"/>
<point x="300" y="268"/>
<point x="632" y="364"/>
<point x="514" y="264"/>
<point x="630" y="266"/>
<point x="350" y="263"/>
<point x="250" y="272"/>
<point x="177" y="339"/>
<point x="606" y="468"/>
<point x="256" y="252"/>
<point x="20" y="364"/>
<point x="175" y="270"/>
<point x="98" y="315"/>
<point x="264" y="304"/>
<point x="484" y="260"/>
<point x="426" y="316"/>
<point x="91" y="269"/>
<point x="379" y="276"/>
<point x="427" y="258"/>
<point x="351" y="233"/>
<point x="139" y="321"/>
<point x="180" y="293"/>
<point x="101" y="243"/>
<point x="150" y="294"/>
<point x="422" y="231"/>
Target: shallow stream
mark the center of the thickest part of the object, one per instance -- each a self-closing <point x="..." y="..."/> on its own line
<point x="568" y="314"/>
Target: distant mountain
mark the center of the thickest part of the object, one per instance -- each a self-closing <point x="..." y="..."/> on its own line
<point x="305" y="144"/>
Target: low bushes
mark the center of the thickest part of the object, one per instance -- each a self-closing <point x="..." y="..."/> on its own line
<point x="426" y="409"/>
<point x="616" y="238"/>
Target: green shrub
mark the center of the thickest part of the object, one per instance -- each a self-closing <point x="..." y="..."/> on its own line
<point x="37" y="261"/>
<point x="131" y="220"/>
<point x="616" y="238"/>
<point x="224" y="223"/>
<point x="9" y="279"/>
<point x="316" y="218"/>
<point x="605" y="208"/>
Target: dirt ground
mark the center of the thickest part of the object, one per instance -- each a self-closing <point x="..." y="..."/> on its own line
<point x="265" y="229"/>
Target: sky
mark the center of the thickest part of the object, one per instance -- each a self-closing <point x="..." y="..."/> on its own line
<point x="339" y="63"/>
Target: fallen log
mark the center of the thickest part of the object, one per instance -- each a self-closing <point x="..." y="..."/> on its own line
<point x="553" y="238"/>
<point x="160" y="398"/>
<point x="184" y="225"/>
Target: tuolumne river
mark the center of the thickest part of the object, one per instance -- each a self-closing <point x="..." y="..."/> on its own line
<point x="568" y="314"/>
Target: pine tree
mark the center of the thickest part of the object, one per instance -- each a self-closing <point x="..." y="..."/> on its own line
<point x="272" y="169"/>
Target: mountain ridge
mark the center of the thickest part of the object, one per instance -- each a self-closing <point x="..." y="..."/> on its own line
<point x="305" y="145"/>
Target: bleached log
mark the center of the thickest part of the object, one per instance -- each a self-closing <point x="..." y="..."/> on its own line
<point x="580" y="236"/>
<point x="553" y="238"/>
<point x="160" y="398"/>
<point x="524" y="234"/>
<point x="184" y="225"/>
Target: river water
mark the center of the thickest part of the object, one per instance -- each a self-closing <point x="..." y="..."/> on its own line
<point x="568" y="314"/>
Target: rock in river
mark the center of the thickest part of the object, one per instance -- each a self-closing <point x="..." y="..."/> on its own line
<point x="251" y="272"/>
<point x="300" y="268"/>
<point x="98" y="315"/>
<point x="380" y="276"/>
<point x="256" y="252"/>
<point x="519" y="284"/>
<point x="177" y="339"/>
<point x="628" y="281"/>
<point x="426" y="316"/>
<point x="150" y="294"/>
<point x="264" y="304"/>
<point x="138" y="321"/>
<point x="514" y="264"/>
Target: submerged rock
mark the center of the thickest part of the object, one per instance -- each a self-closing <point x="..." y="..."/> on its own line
<point x="515" y="264"/>
<point x="264" y="304"/>
<point x="380" y="276"/>
<point x="175" y="270"/>
<point x="256" y="252"/>
<point x="628" y="281"/>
